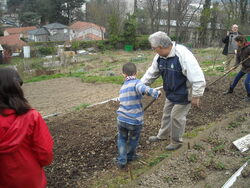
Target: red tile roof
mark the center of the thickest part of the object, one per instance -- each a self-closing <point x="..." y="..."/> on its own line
<point x="18" y="30"/>
<point x="12" y="40"/>
<point x="82" y="25"/>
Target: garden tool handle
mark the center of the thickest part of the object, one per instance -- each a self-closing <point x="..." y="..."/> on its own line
<point x="226" y="73"/>
<point x="149" y="104"/>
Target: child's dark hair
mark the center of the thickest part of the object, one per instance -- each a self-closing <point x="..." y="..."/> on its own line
<point x="240" y="39"/>
<point x="129" y="69"/>
<point x="11" y="93"/>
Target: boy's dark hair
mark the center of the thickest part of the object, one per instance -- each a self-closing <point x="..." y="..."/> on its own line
<point x="11" y="93"/>
<point x="240" y="39"/>
<point x="129" y="69"/>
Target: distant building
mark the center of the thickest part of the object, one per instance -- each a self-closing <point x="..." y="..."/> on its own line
<point x="3" y="5"/>
<point x="50" y="32"/>
<point x="23" y="31"/>
<point x="86" y="31"/>
<point x="13" y="41"/>
<point x="38" y="35"/>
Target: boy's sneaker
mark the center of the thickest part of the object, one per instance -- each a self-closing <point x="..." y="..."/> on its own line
<point x="172" y="147"/>
<point x="134" y="158"/>
<point x="154" y="139"/>
<point x="121" y="167"/>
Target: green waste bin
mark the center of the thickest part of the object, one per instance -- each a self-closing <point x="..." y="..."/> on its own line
<point x="128" y="48"/>
<point x="248" y="38"/>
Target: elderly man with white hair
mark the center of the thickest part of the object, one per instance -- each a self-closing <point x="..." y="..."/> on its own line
<point x="183" y="83"/>
<point x="230" y="47"/>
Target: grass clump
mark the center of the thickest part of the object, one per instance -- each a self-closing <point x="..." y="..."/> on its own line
<point x="193" y="158"/>
<point x="158" y="159"/>
<point x="198" y="147"/>
<point x="219" y="149"/>
<point x="199" y="173"/>
<point x="81" y="106"/>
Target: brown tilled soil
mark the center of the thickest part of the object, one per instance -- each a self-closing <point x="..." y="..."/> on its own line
<point x="85" y="144"/>
<point x="62" y="95"/>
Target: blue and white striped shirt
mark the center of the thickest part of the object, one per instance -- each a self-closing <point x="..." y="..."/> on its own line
<point x="130" y="95"/>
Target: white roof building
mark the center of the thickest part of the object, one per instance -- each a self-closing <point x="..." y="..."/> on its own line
<point x="3" y="4"/>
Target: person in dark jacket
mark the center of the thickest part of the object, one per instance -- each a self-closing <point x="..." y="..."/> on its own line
<point x="243" y="54"/>
<point x="230" y="46"/>
<point x="25" y="141"/>
<point x="183" y="82"/>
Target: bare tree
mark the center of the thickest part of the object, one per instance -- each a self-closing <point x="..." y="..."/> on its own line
<point x="97" y="12"/>
<point x="237" y="12"/>
<point x="153" y="8"/>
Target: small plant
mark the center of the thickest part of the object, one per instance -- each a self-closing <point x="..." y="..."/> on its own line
<point x="221" y="69"/>
<point x="158" y="159"/>
<point x="168" y="179"/>
<point x="240" y="119"/>
<point x="198" y="147"/>
<point x="193" y="158"/>
<point x="233" y="125"/>
<point x="214" y="140"/>
<point x="219" y="148"/>
<point x="199" y="173"/>
<point x="81" y="106"/>
<point x="219" y="166"/>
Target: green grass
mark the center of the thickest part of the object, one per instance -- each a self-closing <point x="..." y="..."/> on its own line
<point x="103" y="79"/>
<point x="193" y="158"/>
<point x="198" y="147"/>
<point x="219" y="148"/>
<point x="158" y="159"/>
<point x="234" y="124"/>
<point x="81" y="106"/>
<point x="195" y="132"/>
<point x="219" y="165"/>
<point x="48" y="77"/>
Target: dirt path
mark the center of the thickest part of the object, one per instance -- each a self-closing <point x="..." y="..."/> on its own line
<point x="63" y="94"/>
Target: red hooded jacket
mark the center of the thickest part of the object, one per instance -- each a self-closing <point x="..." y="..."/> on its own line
<point x="25" y="147"/>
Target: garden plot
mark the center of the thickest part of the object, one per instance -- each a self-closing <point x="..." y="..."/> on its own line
<point x="85" y="144"/>
<point x="66" y="94"/>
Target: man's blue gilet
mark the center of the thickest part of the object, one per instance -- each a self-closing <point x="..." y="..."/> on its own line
<point x="174" y="82"/>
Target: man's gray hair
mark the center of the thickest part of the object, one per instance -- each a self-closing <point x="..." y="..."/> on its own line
<point x="160" y="39"/>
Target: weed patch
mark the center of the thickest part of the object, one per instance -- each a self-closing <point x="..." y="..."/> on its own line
<point x="199" y="173"/>
<point x="81" y="106"/>
<point x="233" y="125"/>
<point x="193" y="158"/>
<point x="198" y="147"/>
<point x="158" y="159"/>
<point x="219" y="149"/>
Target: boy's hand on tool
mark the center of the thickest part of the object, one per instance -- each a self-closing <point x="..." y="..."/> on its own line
<point x="196" y="102"/>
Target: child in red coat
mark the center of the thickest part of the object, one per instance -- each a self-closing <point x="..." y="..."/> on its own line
<point x="25" y="141"/>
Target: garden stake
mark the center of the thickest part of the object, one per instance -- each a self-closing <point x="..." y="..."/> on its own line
<point x="130" y="172"/>
<point x="226" y="73"/>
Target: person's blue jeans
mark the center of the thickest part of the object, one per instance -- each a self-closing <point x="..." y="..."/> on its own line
<point x="237" y="79"/>
<point x="127" y="141"/>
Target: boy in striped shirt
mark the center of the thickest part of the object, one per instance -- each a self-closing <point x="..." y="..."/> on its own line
<point x="130" y="114"/>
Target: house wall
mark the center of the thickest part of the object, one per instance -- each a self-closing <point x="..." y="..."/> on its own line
<point x="84" y="32"/>
<point x="5" y="33"/>
<point x="59" y="34"/>
<point x="40" y="38"/>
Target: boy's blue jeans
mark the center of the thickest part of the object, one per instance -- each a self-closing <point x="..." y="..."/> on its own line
<point x="127" y="141"/>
